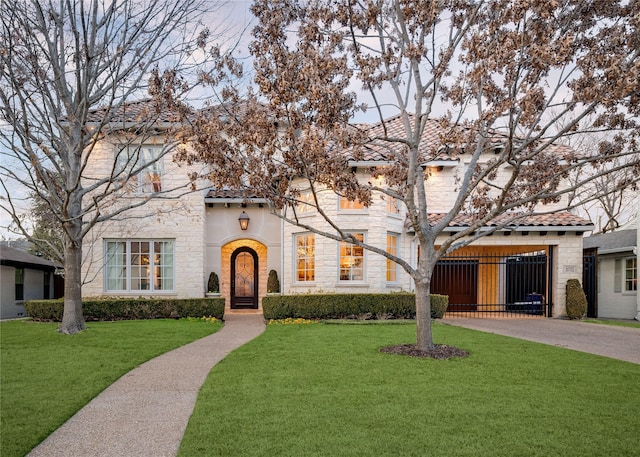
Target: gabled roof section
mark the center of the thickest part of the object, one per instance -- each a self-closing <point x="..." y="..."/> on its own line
<point x="612" y="242"/>
<point x="21" y="259"/>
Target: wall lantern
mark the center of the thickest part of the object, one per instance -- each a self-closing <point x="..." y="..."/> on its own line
<point x="244" y="221"/>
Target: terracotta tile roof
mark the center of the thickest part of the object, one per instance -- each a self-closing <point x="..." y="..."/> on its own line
<point x="137" y="111"/>
<point x="559" y="219"/>
<point x="430" y="142"/>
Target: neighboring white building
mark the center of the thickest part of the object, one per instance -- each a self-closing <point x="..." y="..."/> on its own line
<point x="23" y="277"/>
<point x="172" y="250"/>
<point x="617" y="271"/>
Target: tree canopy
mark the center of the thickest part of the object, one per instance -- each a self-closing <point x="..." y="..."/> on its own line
<point x="510" y="77"/>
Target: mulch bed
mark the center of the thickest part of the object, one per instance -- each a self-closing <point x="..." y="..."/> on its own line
<point x="440" y="351"/>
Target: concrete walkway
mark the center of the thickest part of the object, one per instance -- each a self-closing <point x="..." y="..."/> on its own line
<point x="145" y="413"/>
<point x="617" y="342"/>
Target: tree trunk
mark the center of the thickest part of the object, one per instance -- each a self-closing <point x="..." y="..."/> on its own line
<point x="72" y="319"/>
<point x="424" y="338"/>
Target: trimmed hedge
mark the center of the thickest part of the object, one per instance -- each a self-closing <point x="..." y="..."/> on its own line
<point x="349" y="306"/>
<point x="129" y="309"/>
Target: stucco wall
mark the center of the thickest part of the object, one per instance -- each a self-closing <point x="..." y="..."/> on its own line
<point x="611" y="304"/>
<point x="223" y="236"/>
<point x="33" y="290"/>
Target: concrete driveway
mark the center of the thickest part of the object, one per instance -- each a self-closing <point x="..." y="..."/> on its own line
<point x="617" y="342"/>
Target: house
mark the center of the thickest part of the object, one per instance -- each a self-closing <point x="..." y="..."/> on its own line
<point x="23" y="277"/>
<point x="169" y="248"/>
<point x="616" y="261"/>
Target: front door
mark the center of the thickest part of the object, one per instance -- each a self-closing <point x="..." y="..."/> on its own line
<point x="244" y="279"/>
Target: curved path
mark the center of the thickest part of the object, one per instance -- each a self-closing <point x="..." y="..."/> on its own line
<point x="617" y="342"/>
<point x="145" y="412"/>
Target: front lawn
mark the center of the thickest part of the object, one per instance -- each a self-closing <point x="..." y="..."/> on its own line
<point x="46" y="377"/>
<point x="326" y="390"/>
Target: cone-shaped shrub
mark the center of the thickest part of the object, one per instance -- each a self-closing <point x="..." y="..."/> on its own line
<point x="576" y="300"/>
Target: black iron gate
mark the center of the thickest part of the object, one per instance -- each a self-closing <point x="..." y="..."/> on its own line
<point x="589" y="281"/>
<point x="495" y="285"/>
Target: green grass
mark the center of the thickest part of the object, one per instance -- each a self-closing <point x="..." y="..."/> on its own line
<point x="326" y="390"/>
<point x="632" y="324"/>
<point x="46" y="377"/>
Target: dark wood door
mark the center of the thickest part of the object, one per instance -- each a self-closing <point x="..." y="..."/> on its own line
<point x="459" y="280"/>
<point x="244" y="279"/>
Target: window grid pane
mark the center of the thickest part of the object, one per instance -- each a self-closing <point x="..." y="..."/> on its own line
<point x="352" y="260"/>
<point x="305" y="258"/>
<point x="392" y="205"/>
<point x="392" y="243"/>
<point x="349" y="205"/>
<point x="116" y="265"/>
<point x="631" y="275"/>
<point x="139" y="266"/>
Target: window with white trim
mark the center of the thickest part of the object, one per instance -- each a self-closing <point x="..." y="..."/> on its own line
<point x="305" y="257"/>
<point x="148" y="157"/>
<point x="393" y="205"/>
<point x="139" y="266"/>
<point x="306" y="203"/>
<point x="631" y="274"/>
<point x="344" y="204"/>
<point x="351" y="264"/>
<point x="392" y="248"/>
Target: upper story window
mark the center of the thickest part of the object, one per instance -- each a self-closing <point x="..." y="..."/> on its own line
<point x="344" y="204"/>
<point x="139" y="266"/>
<point x="147" y="159"/>
<point x="631" y="274"/>
<point x="306" y="203"/>
<point x="351" y="260"/>
<point x="305" y="257"/>
<point x="393" y="205"/>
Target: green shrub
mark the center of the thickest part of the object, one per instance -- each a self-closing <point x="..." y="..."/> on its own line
<point x="348" y="306"/>
<point x="576" y="300"/>
<point x="129" y="308"/>
<point x="213" y="285"/>
<point x="439" y="305"/>
<point x="273" y="283"/>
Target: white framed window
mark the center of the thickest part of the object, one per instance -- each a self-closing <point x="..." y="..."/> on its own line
<point x="392" y="248"/>
<point x="351" y="262"/>
<point x="393" y="205"/>
<point x="306" y="203"/>
<point x="305" y="257"/>
<point x="631" y="274"/>
<point x="139" y="266"/>
<point x="344" y="204"/>
<point x="147" y="157"/>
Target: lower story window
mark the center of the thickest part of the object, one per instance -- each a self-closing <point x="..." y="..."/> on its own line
<point x="139" y="266"/>
<point x="392" y="248"/>
<point x="631" y="274"/>
<point x="352" y="260"/>
<point x="305" y="258"/>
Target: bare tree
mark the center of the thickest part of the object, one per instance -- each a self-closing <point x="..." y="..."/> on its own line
<point x="68" y="73"/>
<point x="508" y="77"/>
